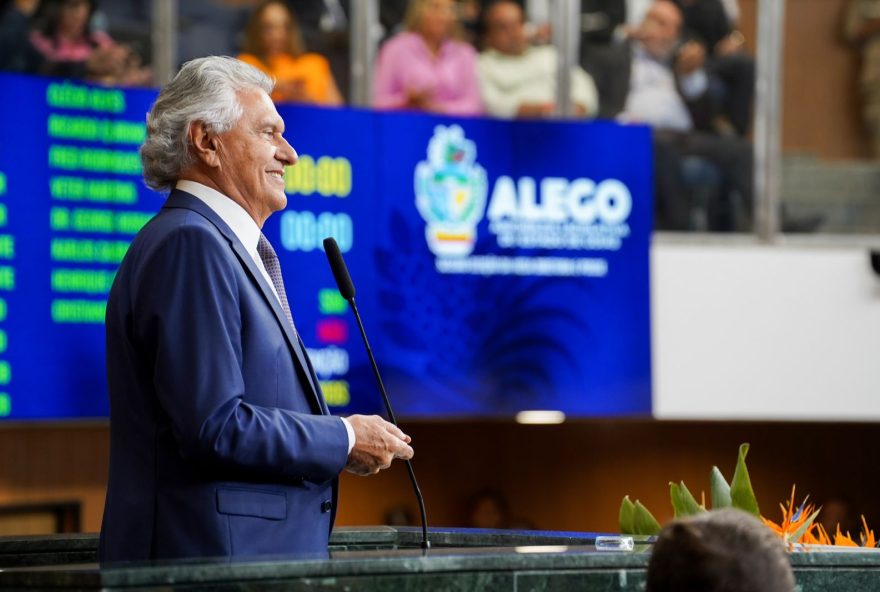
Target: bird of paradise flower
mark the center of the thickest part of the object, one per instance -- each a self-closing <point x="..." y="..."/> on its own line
<point x="798" y="526"/>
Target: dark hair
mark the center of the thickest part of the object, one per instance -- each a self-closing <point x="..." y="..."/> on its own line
<point x="48" y="17"/>
<point x="487" y="6"/>
<point x="719" y="551"/>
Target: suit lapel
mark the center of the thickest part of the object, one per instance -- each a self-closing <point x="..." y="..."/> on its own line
<point x="181" y="199"/>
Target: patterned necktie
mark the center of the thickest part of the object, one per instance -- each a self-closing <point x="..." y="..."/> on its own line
<point x="273" y="267"/>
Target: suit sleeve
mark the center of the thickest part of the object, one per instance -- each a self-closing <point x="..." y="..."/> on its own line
<point x="187" y="318"/>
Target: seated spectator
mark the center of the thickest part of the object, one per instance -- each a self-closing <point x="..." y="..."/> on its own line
<point x="730" y="67"/>
<point x="326" y="29"/>
<point x="862" y="28"/>
<point x="719" y="551"/>
<point x="667" y="87"/>
<point x="210" y="27"/>
<point x="274" y="45"/>
<point x="518" y="80"/>
<point x="601" y="21"/>
<point x="425" y="67"/>
<point x="488" y="509"/>
<point x="67" y="46"/>
<point x="16" y="52"/>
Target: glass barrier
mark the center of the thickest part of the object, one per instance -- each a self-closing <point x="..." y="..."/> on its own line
<point x="685" y="69"/>
<point x="784" y="141"/>
<point x="830" y="128"/>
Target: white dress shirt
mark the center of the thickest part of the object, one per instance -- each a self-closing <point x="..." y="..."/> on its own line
<point x="246" y="230"/>
<point x="654" y="97"/>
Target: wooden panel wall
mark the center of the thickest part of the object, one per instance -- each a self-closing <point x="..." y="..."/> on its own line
<point x="568" y="477"/>
<point x="821" y="113"/>
<point x="56" y="464"/>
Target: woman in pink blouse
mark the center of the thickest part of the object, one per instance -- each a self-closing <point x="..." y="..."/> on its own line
<point x="425" y="67"/>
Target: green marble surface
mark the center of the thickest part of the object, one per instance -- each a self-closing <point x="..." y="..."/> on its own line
<point x="18" y="551"/>
<point x="468" y="565"/>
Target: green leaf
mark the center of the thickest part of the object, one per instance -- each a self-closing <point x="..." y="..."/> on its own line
<point x="643" y="521"/>
<point x="720" y="489"/>
<point x="741" y="494"/>
<point x="627" y="509"/>
<point x="793" y="537"/>
<point x="683" y="501"/>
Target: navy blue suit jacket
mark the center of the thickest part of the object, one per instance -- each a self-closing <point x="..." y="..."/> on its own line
<point x="221" y="444"/>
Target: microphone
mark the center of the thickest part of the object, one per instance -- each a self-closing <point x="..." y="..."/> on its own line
<point x="346" y="289"/>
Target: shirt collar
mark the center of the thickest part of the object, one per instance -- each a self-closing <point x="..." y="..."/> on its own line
<point x="241" y="223"/>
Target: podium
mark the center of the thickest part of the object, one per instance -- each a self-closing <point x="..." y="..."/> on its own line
<point x="389" y="558"/>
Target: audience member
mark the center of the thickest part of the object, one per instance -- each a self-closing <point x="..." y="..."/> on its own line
<point x="126" y="22"/>
<point x="426" y="67"/>
<point x="274" y="45"/>
<point x="518" y="80"/>
<point x="601" y="21"/>
<point x="399" y="515"/>
<point x="68" y="46"/>
<point x="837" y="512"/>
<point x="211" y="27"/>
<point x="667" y="87"/>
<point x="862" y="28"/>
<point x="325" y="27"/>
<point x="719" y="551"/>
<point x="488" y="509"/>
<point x="730" y="67"/>
<point x="16" y="52"/>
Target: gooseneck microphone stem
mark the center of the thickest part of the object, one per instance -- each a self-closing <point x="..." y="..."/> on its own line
<point x="409" y="468"/>
<point x="346" y="289"/>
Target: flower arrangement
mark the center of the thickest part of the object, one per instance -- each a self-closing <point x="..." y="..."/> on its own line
<point x="798" y="524"/>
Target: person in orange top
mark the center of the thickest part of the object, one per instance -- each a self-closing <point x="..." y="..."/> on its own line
<point x="274" y="45"/>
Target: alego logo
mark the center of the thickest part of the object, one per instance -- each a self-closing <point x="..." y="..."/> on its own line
<point x="451" y="191"/>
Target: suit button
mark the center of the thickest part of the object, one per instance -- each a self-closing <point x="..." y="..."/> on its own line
<point x="326" y="506"/>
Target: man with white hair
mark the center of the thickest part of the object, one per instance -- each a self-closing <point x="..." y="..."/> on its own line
<point x="221" y="442"/>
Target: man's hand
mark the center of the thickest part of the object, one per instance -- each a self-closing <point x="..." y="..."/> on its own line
<point x="535" y="110"/>
<point x="730" y="44"/>
<point x="691" y="58"/>
<point x="377" y="443"/>
<point x="421" y="100"/>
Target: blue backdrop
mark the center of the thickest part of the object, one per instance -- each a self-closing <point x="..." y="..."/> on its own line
<point x="500" y="266"/>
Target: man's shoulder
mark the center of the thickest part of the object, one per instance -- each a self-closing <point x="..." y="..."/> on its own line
<point x="181" y="230"/>
<point x="178" y="216"/>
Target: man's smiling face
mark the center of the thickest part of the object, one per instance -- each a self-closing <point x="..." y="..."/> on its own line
<point x="253" y="155"/>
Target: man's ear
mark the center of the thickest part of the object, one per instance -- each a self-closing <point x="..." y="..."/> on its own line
<point x="204" y="143"/>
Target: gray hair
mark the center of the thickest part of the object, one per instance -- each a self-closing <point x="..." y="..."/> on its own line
<point x="204" y="90"/>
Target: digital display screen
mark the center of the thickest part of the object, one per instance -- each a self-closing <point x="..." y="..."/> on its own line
<point x="499" y="266"/>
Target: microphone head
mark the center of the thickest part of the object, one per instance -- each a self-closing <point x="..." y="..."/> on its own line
<point x="340" y="271"/>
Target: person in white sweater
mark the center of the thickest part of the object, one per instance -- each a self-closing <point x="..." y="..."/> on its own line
<point x="518" y="80"/>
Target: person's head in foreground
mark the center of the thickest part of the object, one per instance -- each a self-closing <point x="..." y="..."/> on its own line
<point x="719" y="551"/>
